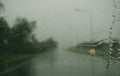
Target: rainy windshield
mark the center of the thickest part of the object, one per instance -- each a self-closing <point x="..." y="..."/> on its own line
<point x="59" y="38"/>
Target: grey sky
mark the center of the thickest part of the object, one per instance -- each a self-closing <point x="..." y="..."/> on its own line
<point x="58" y="18"/>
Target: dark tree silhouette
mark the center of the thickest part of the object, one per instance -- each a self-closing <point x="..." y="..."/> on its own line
<point x="22" y="40"/>
<point x="4" y="33"/>
<point x="20" y="35"/>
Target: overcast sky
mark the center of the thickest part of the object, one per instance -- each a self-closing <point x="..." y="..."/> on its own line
<point x="67" y="21"/>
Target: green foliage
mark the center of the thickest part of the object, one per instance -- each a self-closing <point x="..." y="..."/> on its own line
<point x="20" y="39"/>
<point x="49" y="43"/>
<point x="4" y="33"/>
<point x="20" y="34"/>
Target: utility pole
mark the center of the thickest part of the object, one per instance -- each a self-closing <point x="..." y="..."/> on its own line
<point x="91" y="21"/>
<point x="91" y="26"/>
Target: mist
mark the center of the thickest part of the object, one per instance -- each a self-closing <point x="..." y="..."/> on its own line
<point x="68" y="22"/>
<point x="59" y="37"/>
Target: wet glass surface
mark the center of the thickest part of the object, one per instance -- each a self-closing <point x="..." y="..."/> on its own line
<point x="84" y="35"/>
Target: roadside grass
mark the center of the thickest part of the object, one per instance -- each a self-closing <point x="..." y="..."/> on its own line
<point x="8" y="60"/>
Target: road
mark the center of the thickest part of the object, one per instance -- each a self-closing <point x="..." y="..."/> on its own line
<point x="65" y="63"/>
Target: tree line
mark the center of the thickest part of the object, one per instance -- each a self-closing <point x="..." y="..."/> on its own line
<point x="20" y="38"/>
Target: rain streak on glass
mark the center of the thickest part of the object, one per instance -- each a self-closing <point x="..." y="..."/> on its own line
<point x="114" y="49"/>
<point x="116" y="19"/>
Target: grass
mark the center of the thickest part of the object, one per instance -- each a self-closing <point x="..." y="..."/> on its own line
<point x="11" y="57"/>
<point x="12" y="60"/>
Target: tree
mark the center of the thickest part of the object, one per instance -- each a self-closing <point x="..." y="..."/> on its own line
<point x="4" y="33"/>
<point x="19" y="38"/>
<point x="20" y="35"/>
